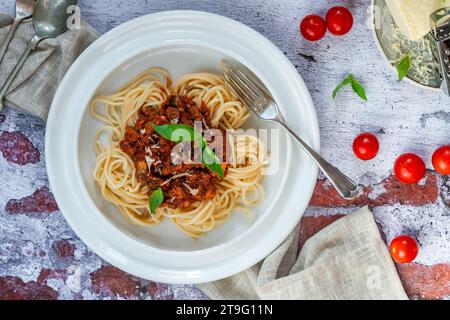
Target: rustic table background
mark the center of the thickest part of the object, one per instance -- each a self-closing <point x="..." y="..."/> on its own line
<point x="40" y="257"/>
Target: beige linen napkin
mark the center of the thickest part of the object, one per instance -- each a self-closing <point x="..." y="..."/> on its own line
<point x="346" y="260"/>
<point x="34" y="88"/>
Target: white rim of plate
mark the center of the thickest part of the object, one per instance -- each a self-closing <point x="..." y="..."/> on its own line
<point x="134" y="267"/>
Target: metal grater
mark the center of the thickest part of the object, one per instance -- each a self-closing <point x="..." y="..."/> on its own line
<point x="440" y="31"/>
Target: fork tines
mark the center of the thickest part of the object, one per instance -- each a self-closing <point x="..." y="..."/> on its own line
<point x="244" y="85"/>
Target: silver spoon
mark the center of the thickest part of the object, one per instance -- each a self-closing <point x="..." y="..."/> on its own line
<point x="5" y="20"/>
<point x="50" y="20"/>
<point x="24" y="10"/>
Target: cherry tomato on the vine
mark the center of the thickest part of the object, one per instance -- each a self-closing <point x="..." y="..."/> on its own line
<point x="404" y="249"/>
<point x="441" y="160"/>
<point x="366" y="146"/>
<point x="410" y="168"/>
<point x="313" y="27"/>
<point x="339" y="20"/>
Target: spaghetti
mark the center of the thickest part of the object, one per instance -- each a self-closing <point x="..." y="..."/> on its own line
<point x="118" y="176"/>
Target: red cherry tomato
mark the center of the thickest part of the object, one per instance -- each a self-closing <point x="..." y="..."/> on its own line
<point x="366" y="146"/>
<point x="404" y="249"/>
<point x="410" y="168"/>
<point x="441" y="160"/>
<point x="313" y="27"/>
<point x="339" y="20"/>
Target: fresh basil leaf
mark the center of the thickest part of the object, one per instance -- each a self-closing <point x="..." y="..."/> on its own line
<point x="177" y="132"/>
<point x="181" y="133"/>
<point x="356" y="86"/>
<point x="340" y="86"/>
<point x="212" y="161"/>
<point x="403" y="67"/>
<point x="155" y="200"/>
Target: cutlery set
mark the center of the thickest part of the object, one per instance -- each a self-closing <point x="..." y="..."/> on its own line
<point x="24" y="10"/>
<point x="49" y="20"/>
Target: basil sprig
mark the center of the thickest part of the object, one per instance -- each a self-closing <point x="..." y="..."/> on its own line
<point x="155" y="200"/>
<point x="403" y="67"/>
<point x="178" y="132"/>
<point x="356" y="86"/>
<point x="211" y="160"/>
<point x="181" y="133"/>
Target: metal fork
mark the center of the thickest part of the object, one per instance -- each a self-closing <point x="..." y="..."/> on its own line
<point x="250" y="90"/>
<point x="24" y="10"/>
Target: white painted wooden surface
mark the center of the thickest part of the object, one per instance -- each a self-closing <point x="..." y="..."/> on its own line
<point x="408" y="118"/>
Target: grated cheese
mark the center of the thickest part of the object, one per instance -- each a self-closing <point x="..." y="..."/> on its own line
<point x="191" y="190"/>
<point x="206" y="125"/>
<point x="149" y="161"/>
<point x="185" y="174"/>
<point x="424" y="67"/>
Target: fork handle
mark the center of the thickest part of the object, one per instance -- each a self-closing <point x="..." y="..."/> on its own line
<point x="9" y="36"/>
<point x="30" y="47"/>
<point x="346" y="187"/>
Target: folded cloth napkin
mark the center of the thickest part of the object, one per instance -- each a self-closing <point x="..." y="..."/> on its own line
<point x="33" y="89"/>
<point x="346" y="260"/>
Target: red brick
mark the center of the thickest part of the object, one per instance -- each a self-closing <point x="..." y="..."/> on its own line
<point x="47" y="274"/>
<point x="18" y="149"/>
<point x="402" y="193"/>
<point x="425" y="282"/>
<point x="110" y="281"/>
<point x="326" y="196"/>
<point x="309" y="226"/>
<point x="420" y="281"/>
<point x="64" y="248"/>
<point x="13" y="288"/>
<point x="396" y="192"/>
<point x="159" y="291"/>
<point x="41" y="201"/>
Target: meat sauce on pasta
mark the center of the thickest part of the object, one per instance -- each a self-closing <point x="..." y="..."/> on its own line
<point x="183" y="182"/>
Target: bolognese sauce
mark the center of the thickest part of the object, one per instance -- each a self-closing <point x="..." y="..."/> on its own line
<point x="183" y="183"/>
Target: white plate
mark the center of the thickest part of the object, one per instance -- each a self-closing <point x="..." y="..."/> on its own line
<point x="182" y="42"/>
